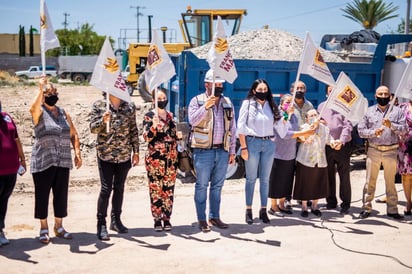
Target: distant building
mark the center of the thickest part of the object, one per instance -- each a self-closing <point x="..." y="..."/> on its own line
<point x="9" y="43"/>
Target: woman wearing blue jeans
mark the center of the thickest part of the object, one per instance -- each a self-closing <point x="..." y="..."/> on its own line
<point x="258" y="117"/>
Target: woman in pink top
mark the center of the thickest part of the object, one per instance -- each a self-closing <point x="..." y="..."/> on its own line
<point x="11" y="158"/>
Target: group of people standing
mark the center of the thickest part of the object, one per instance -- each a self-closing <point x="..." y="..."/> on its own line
<point x="293" y="152"/>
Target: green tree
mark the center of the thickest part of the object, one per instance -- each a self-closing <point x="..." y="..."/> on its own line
<point x="401" y="26"/>
<point x="369" y="13"/>
<point x="83" y="41"/>
<point x="22" y="41"/>
<point x="31" y="46"/>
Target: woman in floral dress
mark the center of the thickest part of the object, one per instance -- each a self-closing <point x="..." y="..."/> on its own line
<point x="159" y="130"/>
<point x="405" y="156"/>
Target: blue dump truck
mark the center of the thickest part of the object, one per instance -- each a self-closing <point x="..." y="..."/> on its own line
<point x="190" y="72"/>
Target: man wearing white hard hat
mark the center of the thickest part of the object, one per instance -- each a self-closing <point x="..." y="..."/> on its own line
<point x="213" y="140"/>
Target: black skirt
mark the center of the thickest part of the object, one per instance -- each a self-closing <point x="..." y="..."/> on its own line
<point x="281" y="178"/>
<point x="311" y="183"/>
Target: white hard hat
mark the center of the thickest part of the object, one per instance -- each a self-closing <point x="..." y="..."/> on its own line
<point x="209" y="77"/>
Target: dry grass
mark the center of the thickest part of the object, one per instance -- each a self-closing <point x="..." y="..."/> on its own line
<point x="8" y="80"/>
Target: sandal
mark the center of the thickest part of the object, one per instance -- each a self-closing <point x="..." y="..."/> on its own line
<point x="62" y="233"/>
<point x="44" y="236"/>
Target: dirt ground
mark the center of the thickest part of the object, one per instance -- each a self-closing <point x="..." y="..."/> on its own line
<point x="332" y="244"/>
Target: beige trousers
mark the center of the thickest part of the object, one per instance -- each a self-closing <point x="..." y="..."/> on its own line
<point x="373" y="164"/>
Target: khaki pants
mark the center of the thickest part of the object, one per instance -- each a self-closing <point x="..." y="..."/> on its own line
<point x="373" y="163"/>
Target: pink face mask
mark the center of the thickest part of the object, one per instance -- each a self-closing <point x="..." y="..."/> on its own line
<point x="286" y="106"/>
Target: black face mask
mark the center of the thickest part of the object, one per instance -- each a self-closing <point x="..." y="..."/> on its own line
<point x="300" y="94"/>
<point x="261" y="95"/>
<point x="218" y="91"/>
<point x="51" y="100"/>
<point x="162" y="104"/>
<point x="383" y="101"/>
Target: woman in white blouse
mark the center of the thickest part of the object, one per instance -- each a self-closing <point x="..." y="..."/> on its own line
<point x="258" y="117"/>
<point x="311" y="182"/>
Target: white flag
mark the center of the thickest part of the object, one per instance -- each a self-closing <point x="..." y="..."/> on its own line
<point x="48" y="39"/>
<point x="219" y="57"/>
<point x="106" y="74"/>
<point x="347" y="99"/>
<point x="159" y="67"/>
<point x="312" y="63"/>
<point x="404" y="89"/>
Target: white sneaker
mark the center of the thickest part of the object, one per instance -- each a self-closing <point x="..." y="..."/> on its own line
<point x="3" y="239"/>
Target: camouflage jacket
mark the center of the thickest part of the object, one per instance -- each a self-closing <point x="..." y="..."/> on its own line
<point x="123" y="137"/>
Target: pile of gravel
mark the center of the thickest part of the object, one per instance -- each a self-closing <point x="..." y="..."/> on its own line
<point x="265" y="44"/>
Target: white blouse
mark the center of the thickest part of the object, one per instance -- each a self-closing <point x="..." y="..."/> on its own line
<point x="312" y="152"/>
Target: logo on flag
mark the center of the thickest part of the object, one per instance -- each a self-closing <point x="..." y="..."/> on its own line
<point x="347" y="96"/>
<point x="153" y="57"/>
<point x="219" y="57"/>
<point x="159" y="67"/>
<point x="48" y="39"/>
<point x="347" y="99"/>
<point x="111" y="65"/>
<point x="313" y="64"/>
<point x="106" y="74"/>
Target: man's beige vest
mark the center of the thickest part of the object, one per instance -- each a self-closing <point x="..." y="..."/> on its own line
<point x="202" y="134"/>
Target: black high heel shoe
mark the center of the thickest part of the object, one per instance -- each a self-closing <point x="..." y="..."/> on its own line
<point x="264" y="216"/>
<point x="249" y="216"/>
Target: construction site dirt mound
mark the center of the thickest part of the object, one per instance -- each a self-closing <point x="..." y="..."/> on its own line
<point x="265" y="44"/>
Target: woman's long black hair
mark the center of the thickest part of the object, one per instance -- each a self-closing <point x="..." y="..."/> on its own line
<point x="269" y="97"/>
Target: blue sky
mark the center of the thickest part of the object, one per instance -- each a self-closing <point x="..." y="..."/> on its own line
<point x="319" y="17"/>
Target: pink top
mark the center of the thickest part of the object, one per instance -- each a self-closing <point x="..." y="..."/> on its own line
<point x="9" y="154"/>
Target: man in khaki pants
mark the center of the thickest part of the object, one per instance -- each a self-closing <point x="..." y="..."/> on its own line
<point x="381" y="129"/>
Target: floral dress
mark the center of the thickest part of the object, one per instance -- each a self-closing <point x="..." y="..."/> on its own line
<point x="404" y="158"/>
<point x="161" y="163"/>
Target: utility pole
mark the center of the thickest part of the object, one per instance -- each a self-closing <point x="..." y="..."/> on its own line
<point x="138" y="14"/>
<point x="408" y="14"/>
<point x="65" y="23"/>
<point x="150" y="27"/>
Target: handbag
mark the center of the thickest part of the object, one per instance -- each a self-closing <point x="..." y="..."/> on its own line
<point x="184" y="156"/>
<point x="185" y="161"/>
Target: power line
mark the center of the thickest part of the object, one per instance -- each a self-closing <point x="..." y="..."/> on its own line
<point x="306" y="13"/>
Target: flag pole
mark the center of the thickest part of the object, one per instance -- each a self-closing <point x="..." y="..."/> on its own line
<point x="155" y="97"/>
<point x="107" y="109"/>
<point x="43" y="62"/>
<point x="329" y="96"/>
<point x="392" y="102"/>
<point x="327" y="101"/>
<point x="213" y="83"/>
<point x="299" y="69"/>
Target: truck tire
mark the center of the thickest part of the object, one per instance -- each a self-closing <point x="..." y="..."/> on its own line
<point x="130" y="89"/>
<point x="78" y="77"/>
<point x="142" y="88"/>
<point x="237" y="170"/>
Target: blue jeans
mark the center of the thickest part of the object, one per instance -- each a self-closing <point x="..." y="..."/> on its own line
<point x="210" y="166"/>
<point x="261" y="155"/>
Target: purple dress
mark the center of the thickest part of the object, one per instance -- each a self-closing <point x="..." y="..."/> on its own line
<point x="405" y="160"/>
